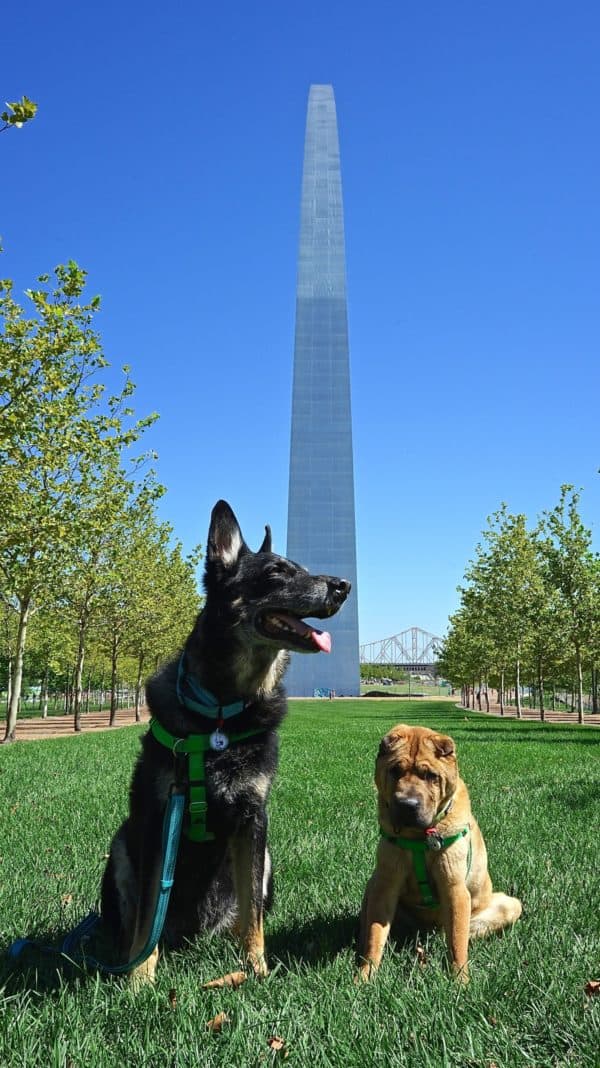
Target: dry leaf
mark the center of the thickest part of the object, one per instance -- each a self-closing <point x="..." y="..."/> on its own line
<point x="216" y="1024"/>
<point x="421" y="955"/>
<point x="66" y="899"/>
<point x="232" y="979"/>
<point x="592" y="987"/>
<point x="173" y="998"/>
<point x="277" y="1045"/>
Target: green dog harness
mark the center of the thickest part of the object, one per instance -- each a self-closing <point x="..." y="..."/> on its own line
<point x="194" y="747"/>
<point x="418" y="847"/>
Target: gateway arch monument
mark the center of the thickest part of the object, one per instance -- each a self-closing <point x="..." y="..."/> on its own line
<point x="321" y="525"/>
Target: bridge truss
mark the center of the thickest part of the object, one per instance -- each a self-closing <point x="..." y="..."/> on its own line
<point x="414" y="649"/>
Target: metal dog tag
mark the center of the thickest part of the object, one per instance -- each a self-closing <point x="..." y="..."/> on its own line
<point x="218" y="741"/>
<point x="434" y="841"/>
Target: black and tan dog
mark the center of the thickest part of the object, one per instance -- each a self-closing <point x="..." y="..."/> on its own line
<point x="431" y="860"/>
<point x="227" y="687"/>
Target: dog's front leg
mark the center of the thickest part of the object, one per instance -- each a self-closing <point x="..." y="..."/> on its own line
<point x="455" y="903"/>
<point x="248" y="849"/>
<point x="377" y="914"/>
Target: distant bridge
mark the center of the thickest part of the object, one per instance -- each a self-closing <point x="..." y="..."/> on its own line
<point x="413" y="649"/>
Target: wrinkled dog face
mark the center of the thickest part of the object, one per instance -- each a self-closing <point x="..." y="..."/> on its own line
<point x="416" y="775"/>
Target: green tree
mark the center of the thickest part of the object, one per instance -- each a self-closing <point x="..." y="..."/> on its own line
<point x="57" y="432"/>
<point x="572" y="569"/>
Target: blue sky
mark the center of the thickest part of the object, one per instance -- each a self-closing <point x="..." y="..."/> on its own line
<point x="166" y="159"/>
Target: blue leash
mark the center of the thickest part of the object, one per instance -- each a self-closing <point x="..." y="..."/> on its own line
<point x="72" y="943"/>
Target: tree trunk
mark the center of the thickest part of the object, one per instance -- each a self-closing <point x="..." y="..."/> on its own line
<point x="15" y="697"/>
<point x="113" y="682"/>
<point x="540" y="674"/>
<point x="579" y="683"/>
<point x="77" y="685"/>
<point x="553" y="696"/>
<point x="487" y="698"/>
<point x="594" y="690"/>
<point x="501" y="693"/>
<point x="138" y="687"/>
<point x="479" y="698"/>
<point x="518" y="689"/>
<point x="87" y="691"/>
<point x="44" y="693"/>
<point x="9" y="684"/>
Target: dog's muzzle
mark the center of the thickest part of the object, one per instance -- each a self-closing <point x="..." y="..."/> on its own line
<point x="407" y="812"/>
<point x="337" y="591"/>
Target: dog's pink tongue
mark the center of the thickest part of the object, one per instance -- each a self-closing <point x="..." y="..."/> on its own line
<point x="322" y="639"/>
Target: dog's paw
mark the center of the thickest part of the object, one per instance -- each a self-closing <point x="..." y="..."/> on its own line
<point x="258" y="963"/>
<point x="144" y="974"/>
<point x="460" y="974"/>
<point x="365" y="973"/>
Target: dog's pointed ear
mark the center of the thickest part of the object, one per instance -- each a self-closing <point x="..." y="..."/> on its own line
<point x="266" y="545"/>
<point x="225" y="541"/>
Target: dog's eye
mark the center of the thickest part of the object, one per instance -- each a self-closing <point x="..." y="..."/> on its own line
<point x="431" y="776"/>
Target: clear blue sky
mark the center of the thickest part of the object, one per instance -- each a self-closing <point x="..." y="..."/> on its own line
<point x="166" y="159"/>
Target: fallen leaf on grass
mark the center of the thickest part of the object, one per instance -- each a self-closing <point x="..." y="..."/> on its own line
<point x="232" y="979"/>
<point x="592" y="987"/>
<point x="277" y="1045"/>
<point x="66" y="899"/>
<point x="216" y="1024"/>
<point x="173" y="998"/>
<point x="421" y="955"/>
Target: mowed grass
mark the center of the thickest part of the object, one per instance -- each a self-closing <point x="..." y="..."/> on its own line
<point x="535" y="790"/>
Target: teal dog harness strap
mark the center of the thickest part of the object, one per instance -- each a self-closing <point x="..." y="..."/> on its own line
<point x="418" y="847"/>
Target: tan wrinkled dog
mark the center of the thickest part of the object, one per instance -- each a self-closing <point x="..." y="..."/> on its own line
<point x="431" y="866"/>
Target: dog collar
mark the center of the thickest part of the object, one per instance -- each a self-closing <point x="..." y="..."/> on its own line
<point x="194" y="748"/>
<point x="198" y="699"/>
<point x="443" y="811"/>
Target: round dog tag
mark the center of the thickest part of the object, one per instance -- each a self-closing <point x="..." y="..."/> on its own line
<point x="218" y="741"/>
<point x="434" y="840"/>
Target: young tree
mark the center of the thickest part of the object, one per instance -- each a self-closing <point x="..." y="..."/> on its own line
<point x="572" y="569"/>
<point x="56" y="432"/>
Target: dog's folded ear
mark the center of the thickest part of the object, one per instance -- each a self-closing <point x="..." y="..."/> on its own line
<point x="443" y="745"/>
<point x="225" y="541"/>
<point x="266" y="545"/>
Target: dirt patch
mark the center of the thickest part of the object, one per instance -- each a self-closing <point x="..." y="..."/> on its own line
<point x="29" y="730"/>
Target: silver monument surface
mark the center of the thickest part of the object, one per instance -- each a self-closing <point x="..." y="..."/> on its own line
<point x="321" y="522"/>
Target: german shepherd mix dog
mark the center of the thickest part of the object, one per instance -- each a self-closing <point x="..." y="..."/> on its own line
<point x="431" y="868"/>
<point x="226" y="687"/>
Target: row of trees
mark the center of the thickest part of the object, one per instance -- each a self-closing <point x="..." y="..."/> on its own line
<point x="87" y="570"/>
<point x="530" y="610"/>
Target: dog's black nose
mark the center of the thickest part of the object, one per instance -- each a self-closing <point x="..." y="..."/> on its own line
<point x="339" y="590"/>
<point x="405" y="811"/>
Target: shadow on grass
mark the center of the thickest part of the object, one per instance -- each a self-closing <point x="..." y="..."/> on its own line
<point x="510" y="729"/>
<point x="315" y="941"/>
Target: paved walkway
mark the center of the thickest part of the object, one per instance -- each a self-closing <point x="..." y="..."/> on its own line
<point x="62" y="726"/>
<point x="510" y="712"/>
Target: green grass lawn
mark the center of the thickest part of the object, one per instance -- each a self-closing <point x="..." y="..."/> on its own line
<point x="535" y="791"/>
